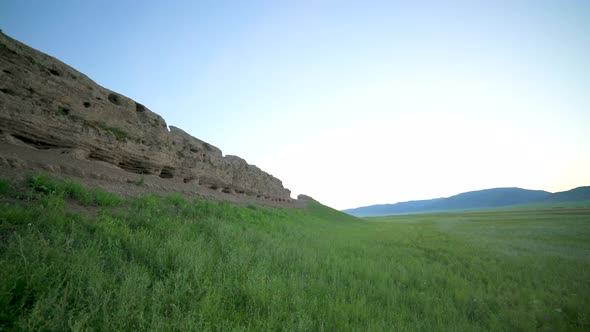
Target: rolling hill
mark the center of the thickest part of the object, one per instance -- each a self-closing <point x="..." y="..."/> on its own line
<point x="573" y="195"/>
<point x="480" y="199"/>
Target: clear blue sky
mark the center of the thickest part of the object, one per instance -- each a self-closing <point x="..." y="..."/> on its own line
<point x="354" y="103"/>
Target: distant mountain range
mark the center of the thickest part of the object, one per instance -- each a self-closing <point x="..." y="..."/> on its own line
<point x="481" y="199"/>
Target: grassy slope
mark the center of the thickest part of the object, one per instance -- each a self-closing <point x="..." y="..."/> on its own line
<point x="167" y="263"/>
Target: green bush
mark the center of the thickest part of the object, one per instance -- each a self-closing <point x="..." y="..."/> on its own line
<point x="41" y="184"/>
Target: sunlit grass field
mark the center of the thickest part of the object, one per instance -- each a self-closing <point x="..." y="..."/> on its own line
<point x="73" y="258"/>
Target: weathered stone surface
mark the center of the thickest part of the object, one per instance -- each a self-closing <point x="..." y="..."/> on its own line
<point x="303" y="197"/>
<point x="47" y="105"/>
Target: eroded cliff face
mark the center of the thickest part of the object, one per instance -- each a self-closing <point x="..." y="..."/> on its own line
<point x="49" y="107"/>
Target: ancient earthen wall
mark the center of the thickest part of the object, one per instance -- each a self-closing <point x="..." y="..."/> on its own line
<point x="48" y="105"/>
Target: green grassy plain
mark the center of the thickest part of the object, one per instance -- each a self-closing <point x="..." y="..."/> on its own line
<point x="72" y="258"/>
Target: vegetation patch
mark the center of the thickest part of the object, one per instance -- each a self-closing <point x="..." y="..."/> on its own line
<point x="4" y="187"/>
<point x="70" y="189"/>
<point x="62" y="111"/>
<point x="119" y="134"/>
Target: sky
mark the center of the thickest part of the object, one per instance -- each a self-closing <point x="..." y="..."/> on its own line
<point x="351" y="102"/>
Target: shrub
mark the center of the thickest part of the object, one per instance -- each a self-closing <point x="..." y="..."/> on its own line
<point x="40" y="183"/>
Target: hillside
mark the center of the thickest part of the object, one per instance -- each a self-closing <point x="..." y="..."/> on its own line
<point x="480" y="199"/>
<point x="573" y="195"/>
<point x="388" y="209"/>
<point x="489" y="198"/>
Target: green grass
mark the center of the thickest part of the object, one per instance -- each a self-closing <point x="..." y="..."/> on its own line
<point x="168" y="263"/>
<point x="70" y="189"/>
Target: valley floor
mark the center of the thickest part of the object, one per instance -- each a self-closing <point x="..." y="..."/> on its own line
<point x="75" y="258"/>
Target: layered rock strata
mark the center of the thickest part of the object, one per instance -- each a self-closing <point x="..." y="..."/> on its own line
<point x="50" y="107"/>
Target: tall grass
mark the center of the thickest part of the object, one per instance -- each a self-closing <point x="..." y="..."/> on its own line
<point x="168" y="263"/>
<point x="74" y="190"/>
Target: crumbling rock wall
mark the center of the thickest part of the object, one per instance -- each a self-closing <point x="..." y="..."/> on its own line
<point x="48" y="105"/>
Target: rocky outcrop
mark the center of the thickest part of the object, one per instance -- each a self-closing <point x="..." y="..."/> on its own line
<point x="47" y="105"/>
<point x="303" y="197"/>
